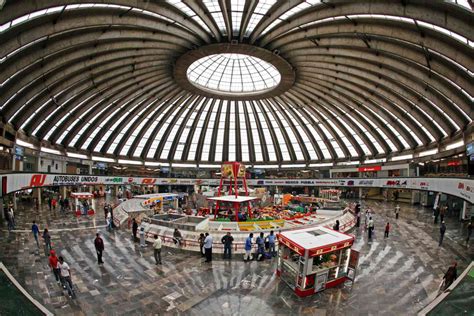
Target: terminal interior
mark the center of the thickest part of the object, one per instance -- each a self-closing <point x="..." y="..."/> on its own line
<point x="282" y="157"/>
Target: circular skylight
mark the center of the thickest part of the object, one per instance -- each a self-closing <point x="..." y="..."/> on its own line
<point x="233" y="73"/>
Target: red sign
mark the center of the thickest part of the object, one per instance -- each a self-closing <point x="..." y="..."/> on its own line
<point x="130" y="180"/>
<point x="366" y="169"/>
<point x="37" y="180"/>
<point x="148" y="181"/>
<point x="454" y="163"/>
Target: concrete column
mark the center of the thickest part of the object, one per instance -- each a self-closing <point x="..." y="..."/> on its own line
<point x="63" y="190"/>
<point x="38" y="192"/>
<point x="361" y="192"/>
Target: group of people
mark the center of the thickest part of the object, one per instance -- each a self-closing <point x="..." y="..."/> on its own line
<point x="46" y="236"/>
<point x="63" y="203"/>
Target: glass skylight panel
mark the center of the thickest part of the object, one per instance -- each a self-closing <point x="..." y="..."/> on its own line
<point x="124" y="130"/>
<point x="187" y="128"/>
<point x="150" y="129"/>
<point x="232" y="135"/>
<point x="189" y="12"/>
<point x="216" y="13"/>
<point x="198" y="130"/>
<point x="260" y="10"/>
<point x="118" y="120"/>
<point x="169" y="139"/>
<point x="219" y="149"/>
<point x="233" y="73"/>
<point x="208" y="133"/>
<point x="244" y="147"/>
<point x="237" y="7"/>
<point x="300" y="7"/>
<point x="255" y="133"/>
<point x="316" y="136"/>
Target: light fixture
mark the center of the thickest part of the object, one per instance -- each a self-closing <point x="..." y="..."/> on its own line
<point x="50" y="151"/>
<point x="130" y="162"/>
<point x="103" y="159"/>
<point x="74" y="155"/>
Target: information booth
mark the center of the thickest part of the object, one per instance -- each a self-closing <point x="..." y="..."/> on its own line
<point x="313" y="259"/>
<point x="83" y="203"/>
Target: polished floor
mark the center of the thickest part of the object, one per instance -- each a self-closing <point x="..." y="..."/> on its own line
<point x="396" y="276"/>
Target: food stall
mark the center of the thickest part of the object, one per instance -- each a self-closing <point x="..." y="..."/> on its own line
<point x="83" y="203"/>
<point x="313" y="259"/>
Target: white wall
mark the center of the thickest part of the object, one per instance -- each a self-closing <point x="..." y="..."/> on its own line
<point x="43" y="167"/>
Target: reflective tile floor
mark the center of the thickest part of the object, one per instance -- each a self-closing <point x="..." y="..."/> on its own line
<point x="396" y="276"/>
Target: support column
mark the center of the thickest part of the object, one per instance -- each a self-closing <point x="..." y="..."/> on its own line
<point x="1" y="208"/>
<point x="361" y="192"/>
<point x="38" y="192"/>
<point x="63" y="189"/>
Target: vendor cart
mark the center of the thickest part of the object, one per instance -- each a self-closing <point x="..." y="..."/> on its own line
<point x="83" y="203"/>
<point x="313" y="259"/>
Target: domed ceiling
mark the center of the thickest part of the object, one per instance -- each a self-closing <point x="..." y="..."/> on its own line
<point x="257" y="81"/>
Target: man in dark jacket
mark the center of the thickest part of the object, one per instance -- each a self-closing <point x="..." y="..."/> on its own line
<point x="134" y="230"/>
<point x="227" y="240"/>
<point x="450" y="275"/>
<point x="99" y="247"/>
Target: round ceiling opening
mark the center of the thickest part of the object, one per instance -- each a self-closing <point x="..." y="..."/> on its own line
<point x="233" y="74"/>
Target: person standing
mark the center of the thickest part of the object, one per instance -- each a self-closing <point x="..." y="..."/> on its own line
<point x="134" y="229"/>
<point x="35" y="230"/>
<point x="358" y="220"/>
<point x="260" y="247"/>
<point x="208" y="247"/>
<point x="442" y="231"/>
<point x="47" y="240"/>
<point x="370" y="226"/>
<point x="11" y="218"/>
<point x="387" y="230"/>
<point x="227" y="240"/>
<point x="61" y="204"/>
<point x="53" y="203"/>
<point x="450" y="275"/>
<point x="142" y="237"/>
<point x="157" y="249"/>
<point x="66" y="276"/>
<point x="54" y="264"/>
<point x="469" y="233"/>
<point x="397" y="211"/>
<point x="271" y="243"/>
<point x="109" y="221"/>
<point x="177" y="237"/>
<point x="248" y="248"/>
<point x="336" y="226"/>
<point x="49" y="203"/>
<point x="201" y="243"/>
<point x="99" y="248"/>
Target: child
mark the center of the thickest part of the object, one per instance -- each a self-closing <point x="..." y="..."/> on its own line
<point x="387" y="230"/>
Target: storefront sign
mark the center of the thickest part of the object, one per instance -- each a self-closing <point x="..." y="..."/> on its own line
<point x="454" y="163"/>
<point x="463" y="188"/>
<point x="368" y="169"/>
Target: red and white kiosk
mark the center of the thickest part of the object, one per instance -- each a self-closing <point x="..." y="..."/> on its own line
<point x="83" y="203"/>
<point x="313" y="259"/>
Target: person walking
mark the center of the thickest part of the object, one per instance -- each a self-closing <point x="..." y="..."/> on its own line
<point x="227" y="240"/>
<point x="248" y="248"/>
<point x="54" y="265"/>
<point x="387" y="230"/>
<point x="66" y="276"/>
<point x="271" y="243"/>
<point x="49" y="203"/>
<point x="53" y="204"/>
<point x="201" y="243"/>
<point x="157" y="249"/>
<point x="99" y="248"/>
<point x="61" y="204"/>
<point x="35" y="230"/>
<point x="47" y="240"/>
<point x="260" y="247"/>
<point x="436" y="214"/>
<point x="469" y="233"/>
<point x="358" y="220"/>
<point x="450" y="275"/>
<point x="336" y="226"/>
<point x="397" y="211"/>
<point x="208" y="247"/>
<point x="442" y="231"/>
<point x="134" y="229"/>
<point x="442" y="212"/>
<point x="370" y="226"/>
<point x="142" y="237"/>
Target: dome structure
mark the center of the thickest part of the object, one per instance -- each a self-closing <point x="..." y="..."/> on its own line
<point x="263" y="81"/>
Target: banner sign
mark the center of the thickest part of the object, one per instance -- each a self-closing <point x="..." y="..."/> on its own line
<point x="463" y="188"/>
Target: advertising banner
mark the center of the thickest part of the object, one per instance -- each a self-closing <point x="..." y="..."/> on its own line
<point x="460" y="187"/>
